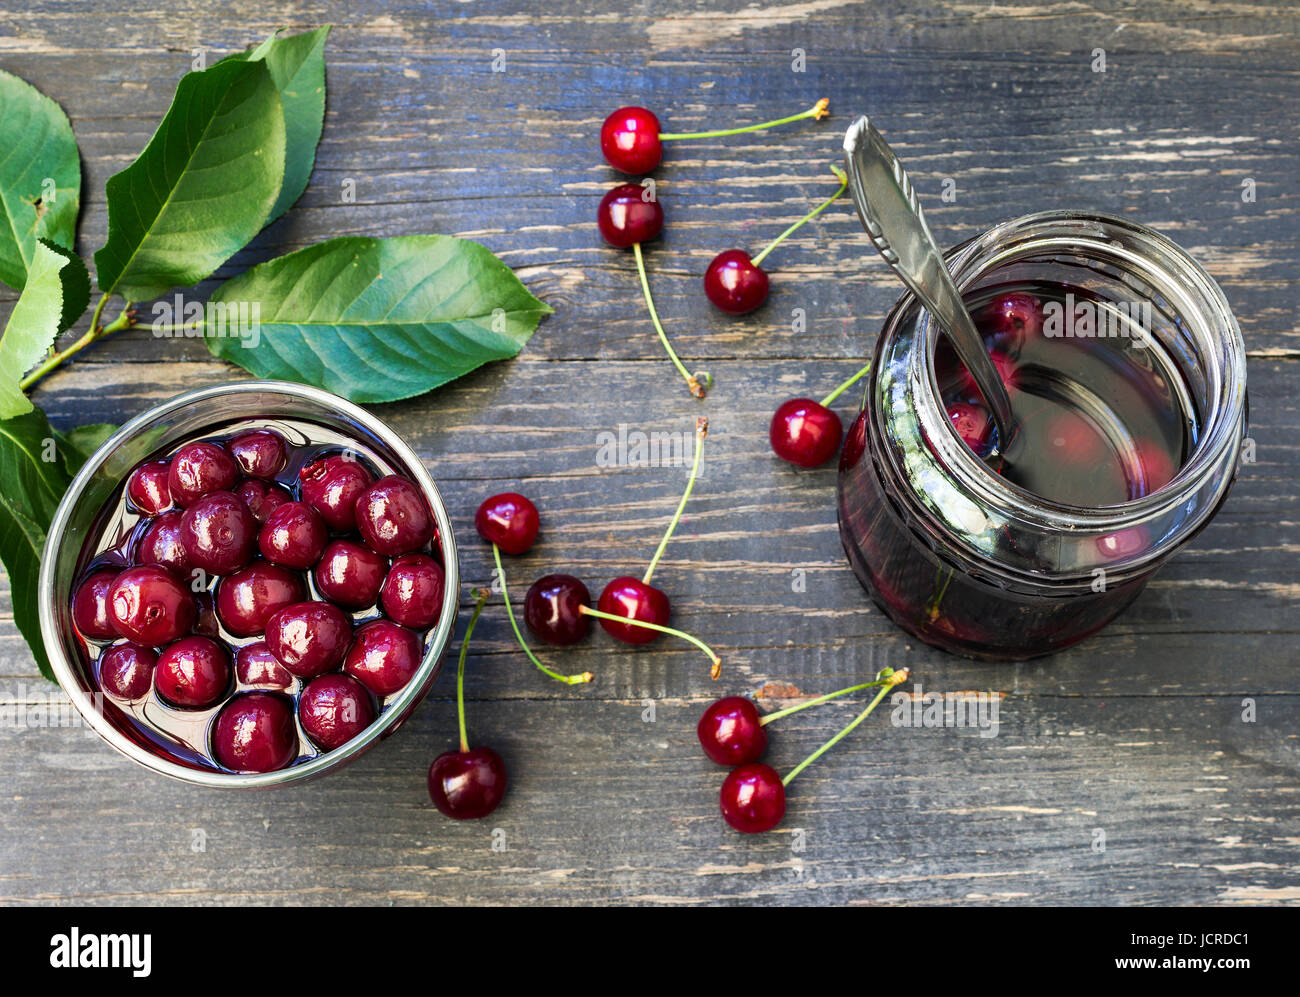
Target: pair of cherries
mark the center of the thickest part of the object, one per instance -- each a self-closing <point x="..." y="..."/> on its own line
<point x="470" y="783"/>
<point x="630" y="214"/>
<point x="733" y="733"/>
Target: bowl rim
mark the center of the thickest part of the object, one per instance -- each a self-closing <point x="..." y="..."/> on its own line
<point x="397" y="711"/>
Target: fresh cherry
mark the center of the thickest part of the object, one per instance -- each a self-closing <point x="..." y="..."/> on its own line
<point x="247" y="598"/>
<point x="260" y="453"/>
<point x="198" y="469"/>
<point x="508" y="520"/>
<point x="194" y="672"/>
<point x="467" y="785"/>
<point x="331" y="486"/>
<point x="629" y="215"/>
<point x="294" y="535"/>
<point x="309" y="638"/>
<point x="255" y="732"/>
<point x="256" y="666"/>
<point x="753" y="798"/>
<point x="126" y="670"/>
<point x="393" y="516"/>
<point x="219" y="533"/>
<point x="731" y="731"/>
<point x="413" y="591"/>
<point x="383" y="657"/>
<point x="350" y="574"/>
<point x="552" y="610"/>
<point x="735" y="283"/>
<point x="162" y="543"/>
<point x="333" y="709"/>
<point x="148" y="605"/>
<point x="147" y="488"/>
<point x="805" y="433"/>
<point x="91" y="612"/>
<point x="629" y="140"/>
<point x="633" y="599"/>
<point x="262" y="498"/>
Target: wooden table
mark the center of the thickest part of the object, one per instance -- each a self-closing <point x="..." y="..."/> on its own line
<point x="1137" y="735"/>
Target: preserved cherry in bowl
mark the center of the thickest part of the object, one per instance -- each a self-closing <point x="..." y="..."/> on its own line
<point x="227" y="603"/>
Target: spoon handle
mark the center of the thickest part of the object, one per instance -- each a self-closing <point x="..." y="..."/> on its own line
<point x="892" y="215"/>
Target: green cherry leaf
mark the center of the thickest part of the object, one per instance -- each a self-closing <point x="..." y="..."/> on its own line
<point x="33" y="477"/>
<point x="375" y="320"/>
<point x="203" y="186"/>
<point x="297" y="65"/>
<point x="79" y="443"/>
<point x="40" y="177"/>
<point x="56" y="295"/>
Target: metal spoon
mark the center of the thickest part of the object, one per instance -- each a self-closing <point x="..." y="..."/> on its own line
<point x="892" y="216"/>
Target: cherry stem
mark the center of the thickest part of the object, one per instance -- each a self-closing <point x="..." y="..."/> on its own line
<point x="818" y="111"/>
<point x="505" y="595"/>
<point x="890" y="681"/>
<point x="460" y="667"/>
<point x="846" y="385"/>
<point x="701" y="431"/>
<point x="767" y="719"/>
<point x="95" y="333"/>
<point x="843" y="178"/>
<point x="692" y="380"/>
<point x="716" y="662"/>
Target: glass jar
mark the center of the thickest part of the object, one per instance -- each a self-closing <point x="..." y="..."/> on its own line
<point x="971" y="563"/>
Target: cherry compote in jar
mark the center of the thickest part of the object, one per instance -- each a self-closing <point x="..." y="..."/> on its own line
<point x="1127" y="378"/>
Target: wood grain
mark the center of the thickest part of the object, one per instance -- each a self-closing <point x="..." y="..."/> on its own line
<point x="1138" y="733"/>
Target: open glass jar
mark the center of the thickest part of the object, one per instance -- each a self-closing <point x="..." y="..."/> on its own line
<point x="970" y="562"/>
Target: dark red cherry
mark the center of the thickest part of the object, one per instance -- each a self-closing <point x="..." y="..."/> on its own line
<point x="413" y="591"/>
<point x="90" y="606"/>
<point x="262" y="498"/>
<point x="1012" y="318"/>
<point x="629" y="214"/>
<point x="508" y="520"/>
<point x="194" y="672"/>
<point x="383" y="657"/>
<point x="247" y="598"/>
<point x="197" y="469"/>
<point x="333" y="709"/>
<point x="148" y="605"/>
<point x="731" y="731"/>
<point x="162" y="544"/>
<point x="294" y="535"/>
<point x="255" y="732"/>
<point x="309" y="638"/>
<point x="973" y="424"/>
<point x="551" y="609"/>
<point x="855" y="442"/>
<point x="126" y="670"/>
<point x="255" y="665"/>
<point x="260" y="453"/>
<point x="467" y="785"/>
<point x="350" y="574"/>
<point x="331" y="486"/>
<point x="735" y="283"/>
<point x="636" y="600"/>
<point x="629" y="140"/>
<point x="752" y="798"/>
<point x="393" y="516"/>
<point x="805" y="432"/>
<point x="147" y="488"/>
<point x="205" y="618"/>
<point x="219" y="533"/>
